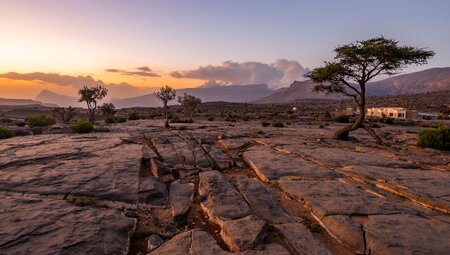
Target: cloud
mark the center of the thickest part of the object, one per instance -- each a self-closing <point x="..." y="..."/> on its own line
<point x="115" y="90"/>
<point x="143" y="71"/>
<point x="279" y="74"/>
<point x="212" y="83"/>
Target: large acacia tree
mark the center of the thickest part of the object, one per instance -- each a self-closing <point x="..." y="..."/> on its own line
<point x="356" y="64"/>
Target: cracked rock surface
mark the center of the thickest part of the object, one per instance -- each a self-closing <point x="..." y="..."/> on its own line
<point x="220" y="188"/>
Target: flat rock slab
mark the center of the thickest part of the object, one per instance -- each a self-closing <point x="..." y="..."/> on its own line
<point x="300" y="239"/>
<point x="165" y="149"/>
<point x="271" y="165"/>
<point x="262" y="199"/>
<point x="346" y="230"/>
<point x="234" y="144"/>
<point x="222" y="202"/>
<point x="221" y="160"/>
<point x="198" y="242"/>
<point x="152" y="192"/>
<point x="406" y="234"/>
<point x="92" y="165"/>
<point x="430" y="187"/>
<point x="47" y="226"/>
<point x="338" y="157"/>
<point x="181" y="195"/>
<point x="243" y="234"/>
<point x="336" y="198"/>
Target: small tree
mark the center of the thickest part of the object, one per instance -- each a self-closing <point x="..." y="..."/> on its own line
<point x="356" y="64"/>
<point x="190" y="103"/>
<point x="108" y="109"/>
<point x="165" y="95"/>
<point x="91" y="95"/>
<point x="66" y="114"/>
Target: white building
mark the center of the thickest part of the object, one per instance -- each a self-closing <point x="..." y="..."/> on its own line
<point x="393" y="112"/>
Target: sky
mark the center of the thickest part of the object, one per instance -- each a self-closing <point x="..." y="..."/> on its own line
<point x="133" y="46"/>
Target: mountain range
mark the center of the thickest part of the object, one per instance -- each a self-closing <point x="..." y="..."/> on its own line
<point x="434" y="79"/>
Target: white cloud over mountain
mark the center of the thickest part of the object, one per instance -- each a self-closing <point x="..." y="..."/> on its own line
<point x="281" y="73"/>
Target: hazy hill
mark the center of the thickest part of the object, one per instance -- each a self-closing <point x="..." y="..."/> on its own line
<point x="61" y="100"/>
<point x="434" y="79"/>
<point x="232" y="93"/>
<point x="17" y="102"/>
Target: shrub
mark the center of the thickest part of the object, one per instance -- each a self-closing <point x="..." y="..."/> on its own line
<point x="120" y="119"/>
<point x="182" y="128"/>
<point x="277" y="124"/>
<point x="438" y="138"/>
<point x="341" y="118"/>
<point x="110" y="120"/>
<point x="133" y="116"/>
<point x="6" y="133"/>
<point x="389" y="120"/>
<point x="40" y="121"/>
<point x="178" y="120"/>
<point x="265" y="123"/>
<point x="82" y="126"/>
<point x="211" y="119"/>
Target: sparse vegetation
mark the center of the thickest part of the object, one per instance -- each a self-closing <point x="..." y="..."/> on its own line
<point x="389" y="120"/>
<point x="40" y="121"/>
<point x="133" y="116"/>
<point x="66" y="114"/>
<point x="178" y="120"/>
<point x="436" y="138"/>
<point x="189" y="103"/>
<point x="180" y="220"/>
<point x="341" y="118"/>
<point x="265" y="123"/>
<point x="277" y="124"/>
<point x="82" y="126"/>
<point x="85" y="201"/>
<point x="108" y="110"/>
<point x="6" y="133"/>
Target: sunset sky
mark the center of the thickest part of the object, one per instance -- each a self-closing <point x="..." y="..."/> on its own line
<point x="61" y="45"/>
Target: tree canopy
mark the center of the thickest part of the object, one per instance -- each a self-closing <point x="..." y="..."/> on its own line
<point x="355" y="64"/>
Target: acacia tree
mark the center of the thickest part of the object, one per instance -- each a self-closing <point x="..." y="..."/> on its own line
<point x="165" y="95"/>
<point x="66" y="115"/>
<point x="108" y="109"/>
<point x="356" y="64"/>
<point x="190" y="103"/>
<point x="91" y="95"/>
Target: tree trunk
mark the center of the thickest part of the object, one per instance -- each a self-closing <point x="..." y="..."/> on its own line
<point x="166" y="124"/>
<point x="343" y="133"/>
